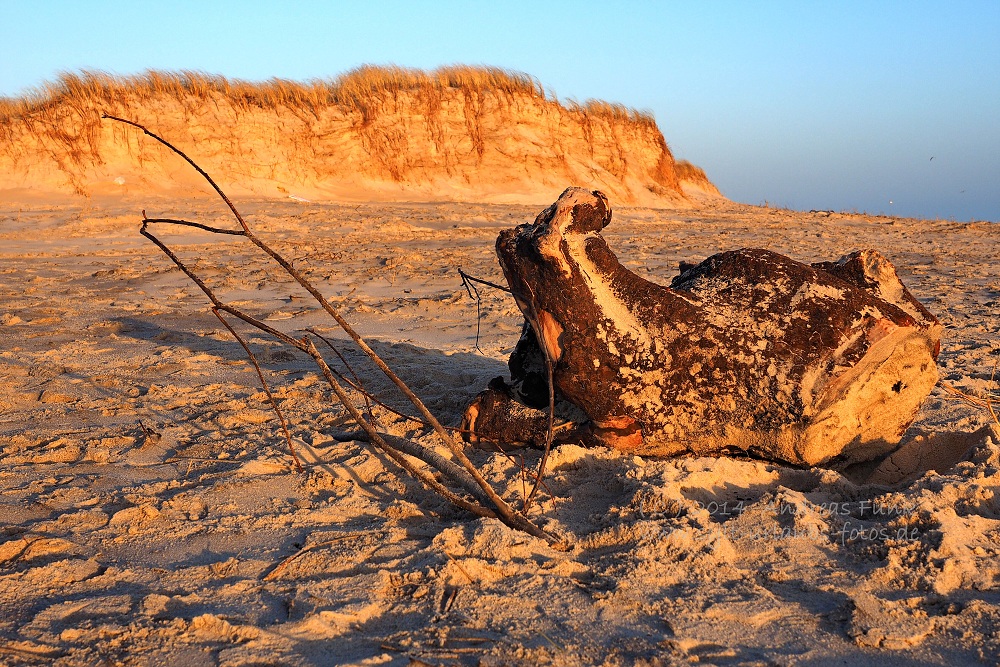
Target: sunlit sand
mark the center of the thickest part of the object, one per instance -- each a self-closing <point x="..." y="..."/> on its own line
<point x="151" y="512"/>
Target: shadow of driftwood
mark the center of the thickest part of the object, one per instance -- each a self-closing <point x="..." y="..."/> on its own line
<point x="445" y="382"/>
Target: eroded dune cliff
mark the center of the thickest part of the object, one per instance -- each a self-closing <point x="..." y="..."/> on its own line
<point x="457" y="133"/>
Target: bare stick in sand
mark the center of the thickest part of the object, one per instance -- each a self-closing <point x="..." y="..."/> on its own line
<point x="487" y="502"/>
<point x="267" y="390"/>
<point x="985" y="401"/>
<point x="469" y="282"/>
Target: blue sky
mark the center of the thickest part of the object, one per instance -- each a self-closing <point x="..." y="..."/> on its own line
<point x="802" y="104"/>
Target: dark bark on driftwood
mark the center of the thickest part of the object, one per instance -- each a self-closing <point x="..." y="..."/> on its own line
<point x="748" y="350"/>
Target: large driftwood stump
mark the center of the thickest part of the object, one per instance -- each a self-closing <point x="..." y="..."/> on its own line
<point x="748" y="350"/>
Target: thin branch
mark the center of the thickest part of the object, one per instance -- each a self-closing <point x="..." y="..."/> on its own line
<point x="549" y="369"/>
<point x="549" y="435"/>
<point x="280" y="567"/>
<point x="503" y="510"/>
<point x="377" y="440"/>
<point x="473" y="293"/>
<point x="267" y="389"/>
<point x="191" y="162"/>
<point x="467" y="277"/>
<point x="188" y="223"/>
<point x="989" y="400"/>
<point x="356" y="384"/>
<point x="968" y="398"/>
<point x="469" y="283"/>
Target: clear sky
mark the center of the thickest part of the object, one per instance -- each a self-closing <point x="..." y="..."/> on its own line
<point x="805" y="104"/>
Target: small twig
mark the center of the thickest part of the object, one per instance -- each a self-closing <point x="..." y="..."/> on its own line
<point x="280" y="567"/>
<point x="524" y="490"/>
<point x="975" y="400"/>
<point x="989" y="400"/>
<point x="469" y="283"/>
<point x="189" y="161"/>
<point x="549" y="433"/>
<point x="467" y="277"/>
<point x="267" y="390"/>
<point x="207" y="228"/>
<point x="449" y="601"/>
<point x="968" y="398"/>
<point x="473" y="293"/>
<point x="549" y="436"/>
<point x="558" y="646"/>
<point x="357" y="384"/>
<point x="460" y="568"/>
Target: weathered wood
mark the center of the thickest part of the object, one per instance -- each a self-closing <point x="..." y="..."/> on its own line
<point x="748" y="350"/>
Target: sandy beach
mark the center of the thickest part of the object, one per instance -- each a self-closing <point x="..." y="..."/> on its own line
<point x="151" y="514"/>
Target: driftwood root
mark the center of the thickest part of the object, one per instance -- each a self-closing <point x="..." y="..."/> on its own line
<point x="747" y="350"/>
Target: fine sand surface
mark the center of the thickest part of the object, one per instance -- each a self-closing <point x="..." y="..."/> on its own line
<point x="150" y="513"/>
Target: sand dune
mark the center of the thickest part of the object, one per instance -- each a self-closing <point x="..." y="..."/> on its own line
<point x="389" y="134"/>
<point x="151" y="515"/>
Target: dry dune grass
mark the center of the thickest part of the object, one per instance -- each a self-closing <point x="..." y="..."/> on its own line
<point x="354" y="90"/>
<point x="689" y="172"/>
<point x="617" y="113"/>
<point x="694" y="175"/>
<point x="483" y="131"/>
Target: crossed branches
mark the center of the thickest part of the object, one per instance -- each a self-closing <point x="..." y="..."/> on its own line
<point x="464" y="485"/>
